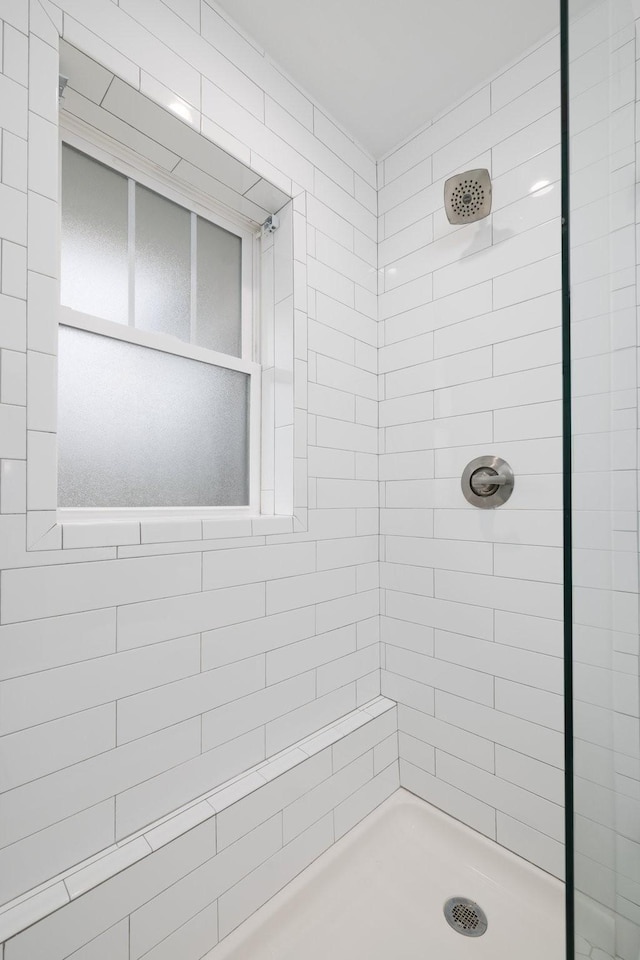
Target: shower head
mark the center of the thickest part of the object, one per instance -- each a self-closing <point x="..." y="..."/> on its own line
<point x="467" y="196"/>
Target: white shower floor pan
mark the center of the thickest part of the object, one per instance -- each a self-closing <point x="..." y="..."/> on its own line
<point x="378" y="894"/>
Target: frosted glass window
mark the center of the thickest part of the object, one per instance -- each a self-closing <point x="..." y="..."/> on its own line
<point x="219" y="285"/>
<point x="94" y="251"/>
<point x="163" y="265"/>
<point x="143" y="428"/>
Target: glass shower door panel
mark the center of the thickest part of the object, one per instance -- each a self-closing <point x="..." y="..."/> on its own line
<point x="604" y="363"/>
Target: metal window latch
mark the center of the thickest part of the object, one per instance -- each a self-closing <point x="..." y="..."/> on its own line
<point x="271" y="224"/>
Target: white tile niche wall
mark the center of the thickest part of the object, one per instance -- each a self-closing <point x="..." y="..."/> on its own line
<point x="469" y="365"/>
<point x="135" y="675"/>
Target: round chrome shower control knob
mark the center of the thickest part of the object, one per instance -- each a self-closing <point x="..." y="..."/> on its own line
<point x="486" y="477"/>
<point x="487" y="482"/>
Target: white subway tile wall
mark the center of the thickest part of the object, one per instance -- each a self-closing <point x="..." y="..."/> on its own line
<point x="217" y="859"/>
<point x="470" y="353"/>
<point x="142" y="664"/>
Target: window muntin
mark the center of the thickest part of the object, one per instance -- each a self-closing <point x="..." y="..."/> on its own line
<point x="131" y="255"/>
<point x="187" y="296"/>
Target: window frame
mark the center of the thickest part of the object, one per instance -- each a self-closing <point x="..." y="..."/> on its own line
<point x="126" y="162"/>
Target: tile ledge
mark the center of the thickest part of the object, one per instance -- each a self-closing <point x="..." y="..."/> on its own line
<point x="48" y="897"/>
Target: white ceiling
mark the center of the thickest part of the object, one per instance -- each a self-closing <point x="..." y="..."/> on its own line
<point x="383" y="68"/>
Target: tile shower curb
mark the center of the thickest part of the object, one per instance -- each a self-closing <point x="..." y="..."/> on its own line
<point x="62" y="889"/>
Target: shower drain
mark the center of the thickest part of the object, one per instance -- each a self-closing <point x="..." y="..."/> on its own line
<point x="465" y="917"/>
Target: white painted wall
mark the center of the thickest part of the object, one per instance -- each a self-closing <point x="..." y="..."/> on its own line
<point x="470" y="365"/>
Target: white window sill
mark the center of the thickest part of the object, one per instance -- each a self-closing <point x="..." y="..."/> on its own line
<point x="118" y="532"/>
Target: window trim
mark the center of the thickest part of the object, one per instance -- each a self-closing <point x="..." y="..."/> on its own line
<point x="138" y="170"/>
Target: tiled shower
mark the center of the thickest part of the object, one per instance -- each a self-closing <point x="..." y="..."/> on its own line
<point x="194" y="708"/>
<point x="472" y="599"/>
